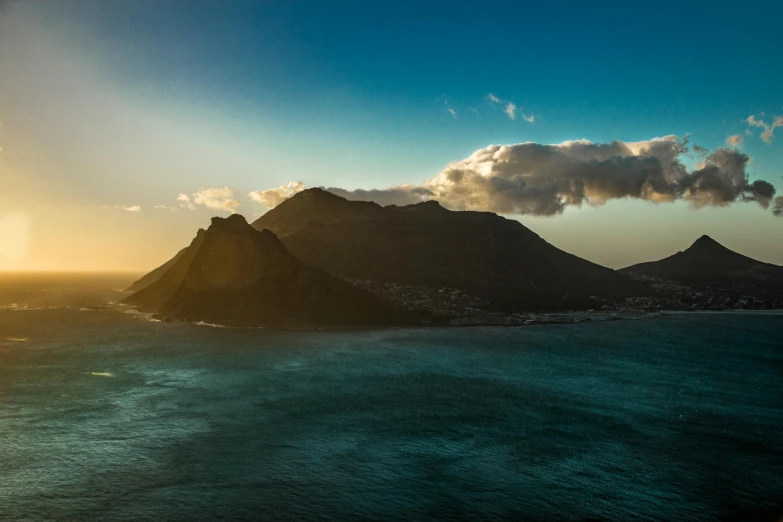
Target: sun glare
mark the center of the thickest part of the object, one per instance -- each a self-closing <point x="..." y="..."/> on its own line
<point x="14" y="236"/>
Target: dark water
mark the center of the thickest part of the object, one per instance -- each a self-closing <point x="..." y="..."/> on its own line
<point x="108" y="416"/>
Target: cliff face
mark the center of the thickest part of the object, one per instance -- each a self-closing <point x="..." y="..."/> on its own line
<point x="234" y="255"/>
<point x="425" y="244"/>
<point x="235" y="275"/>
<point x="167" y="278"/>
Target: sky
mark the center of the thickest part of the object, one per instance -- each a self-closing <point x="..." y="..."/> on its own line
<point x="618" y="134"/>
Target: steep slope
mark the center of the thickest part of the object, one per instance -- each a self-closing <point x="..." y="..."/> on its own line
<point x="235" y="275"/>
<point x="186" y="253"/>
<point x="425" y="244"/>
<point x="157" y="291"/>
<point x="707" y="261"/>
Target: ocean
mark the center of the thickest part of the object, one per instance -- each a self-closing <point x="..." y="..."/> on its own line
<point x="109" y="415"/>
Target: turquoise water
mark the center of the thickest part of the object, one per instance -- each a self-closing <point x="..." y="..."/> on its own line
<point x="110" y="416"/>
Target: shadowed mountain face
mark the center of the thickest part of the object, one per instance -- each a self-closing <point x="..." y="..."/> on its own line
<point x="707" y="262"/>
<point x="232" y="274"/>
<point x="424" y="244"/>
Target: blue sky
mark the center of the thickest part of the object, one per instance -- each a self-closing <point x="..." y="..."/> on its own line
<point x="145" y="100"/>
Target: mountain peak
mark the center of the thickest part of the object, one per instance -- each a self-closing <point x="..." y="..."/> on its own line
<point x="706" y="243"/>
<point x="315" y="192"/>
<point x="233" y="223"/>
<point x="705" y="239"/>
<point x="313" y="205"/>
<point x="430" y="203"/>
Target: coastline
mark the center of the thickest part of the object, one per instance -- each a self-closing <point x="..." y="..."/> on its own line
<point x="569" y="318"/>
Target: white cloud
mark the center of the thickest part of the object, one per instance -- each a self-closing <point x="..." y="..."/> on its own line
<point x="768" y="129"/>
<point x="132" y="208"/>
<point x="273" y="197"/>
<point x="531" y="178"/>
<point x="185" y="201"/>
<point x="734" y="141"/>
<point x="164" y="207"/>
<point x="450" y="109"/>
<point x="217" y="198"/>
<point x="510" y="108"/>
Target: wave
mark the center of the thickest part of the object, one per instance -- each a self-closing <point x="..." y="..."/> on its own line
<point x="125" y="309"/>
<point x="30" y="308"/>
<point x="202" y="323"/>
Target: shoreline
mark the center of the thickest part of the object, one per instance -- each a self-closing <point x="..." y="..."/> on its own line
<point x="571" y="318"/>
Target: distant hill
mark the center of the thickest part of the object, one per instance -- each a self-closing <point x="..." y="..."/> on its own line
<point x="425" y="244"/>
<point x="708" y="263"/>
<point x="232" y="274"/>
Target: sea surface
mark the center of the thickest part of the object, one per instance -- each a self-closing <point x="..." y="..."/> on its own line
<point x="109" y="415"/>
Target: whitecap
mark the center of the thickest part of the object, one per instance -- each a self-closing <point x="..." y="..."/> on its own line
<point x="202" y="323"/>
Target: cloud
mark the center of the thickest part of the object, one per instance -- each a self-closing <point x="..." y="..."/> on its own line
<point x="273" y="197"/>
<point x="529" y="178"/>
<point x="217" y="198"/>
<point x="701" y="152"/>
<point x="769" y="129"/>
<point x="450" y="109"/>
<point x="396" y="195"/>
<point x="164" y="207"/>
<point x="511" y="109"/>
<point x="543" y="180"/>
<point x="132" y="208"/>
<point x="734" y="141"/>
<point x="777" y="206"/>
<point x="185" y="201"/>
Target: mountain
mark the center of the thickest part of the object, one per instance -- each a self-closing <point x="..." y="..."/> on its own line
<point x="232" y="274"/>
<point x="481" y="253"/>
<point x="707" y="263"/>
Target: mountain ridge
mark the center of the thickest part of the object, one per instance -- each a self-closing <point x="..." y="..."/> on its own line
<point x="235" y="275"/>
<point x="425" y="244"/>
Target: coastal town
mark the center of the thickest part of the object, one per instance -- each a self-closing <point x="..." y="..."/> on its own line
<point x="458" y="308"/>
